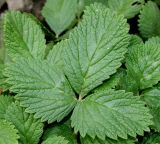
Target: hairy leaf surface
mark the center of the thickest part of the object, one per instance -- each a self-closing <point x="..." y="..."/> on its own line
<point x="55" y="140"/>
<point x="8" y="133"/>
<point x="149" y="25"/>
<point x="5" y="101"/>
<point x="143" y="64"/>
<point x="42" y="88"/>
<point x="152" y="96"/>
<point x="23" y="37"/>
<point x="55" y="55"/>
<point x="95" y="48"/>
<point x="29" y="128"/>
<point x="63" y="130"/>
<point x="111" y="113"/>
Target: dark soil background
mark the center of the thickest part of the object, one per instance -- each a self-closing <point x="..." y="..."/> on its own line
<point x="31" y="6"/>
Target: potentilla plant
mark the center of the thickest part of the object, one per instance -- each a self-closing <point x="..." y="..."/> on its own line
<point x="97" y="85"/>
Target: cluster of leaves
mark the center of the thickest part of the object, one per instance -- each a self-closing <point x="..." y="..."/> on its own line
<point x="86" y="79"/>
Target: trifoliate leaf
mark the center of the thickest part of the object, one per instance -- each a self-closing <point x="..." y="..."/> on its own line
<point x="152" y="97"/>
<point x="156" y="118"/>
<point x="89" y="140"/>
<point x="149" y="25"/>
<point x="23" y="36"/>
<point x="8" y="133"/>
<point x="59" y="14"/>
<point x="129" y="8"/>
<point x="63" y="130"/>
<point x="152" y="139"/>
<point x="143" y="64"/>
<point x="95" y="48"/>
<point x="55" y="140"/>
<point x="42" y="88"/>
<point x="111" y="113"/>
<point x="55" y="55"/>
<point x="29" y="128"/>
<point x="5" y="101"/>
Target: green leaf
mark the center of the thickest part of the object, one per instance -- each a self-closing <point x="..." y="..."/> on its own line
<point x="5" y="101"/>
<point x="88" y="2"/>
<point x="23" y="37"/>
<point x="154" y="40"/>
<point x="152" y="139"/>
<point x="111" y="113"/>
<point x="134" y="41"/>
<point x="156" y="118"/>
<point x="42" y="88"/>
<point x="143" y="64"/>
<point x="152" y="96"/>
<point x="55" y="140"/>
<point x="129" y="8"/>
<point x="55" y="55"/>
<point x="149" y="25"/>
<point x="8" y="133"/>
<point x="89" y="140"/>
<point x="95" y="48"/>
<point x="29" y="128"/>
<point x="63" y="130"/>
<point x="112" y="82"/>
<point x="59" y="14"/>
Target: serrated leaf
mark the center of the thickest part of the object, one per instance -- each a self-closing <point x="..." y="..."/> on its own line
<point x="154" y="40"/>
<point x="95" y="48"/>
<point x="23" y="37"/>
<point x="152" y="139"/>
<point x="149" y="25"/>
<point x="59" y="14"/>
<point x="129" y="8"/>
<point x="112" y="82"/>
<point x="8" y="133"/>
<point x="29" y="128"/>
<point x="42" y="88"/>
<point x="156" y="118"/>
<point x="111" y="113"/>
<point x="55" y="140"/>
<point x="55" y="55"/>
<point x="63" y="130"/>
<point x="5" y="101"/>
<point x="89" y="140"/>
<point x="134" y="41"/>
<point x="143" y="64"/>
<point x="3" y="85"/>
<point x="152" y="96"/>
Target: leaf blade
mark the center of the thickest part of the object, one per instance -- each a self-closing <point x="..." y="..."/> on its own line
<point x="23" y="37"/>
<point x="111" y="113"/>
<point x="89" y="53"/>
<point x="42" y="88"/>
